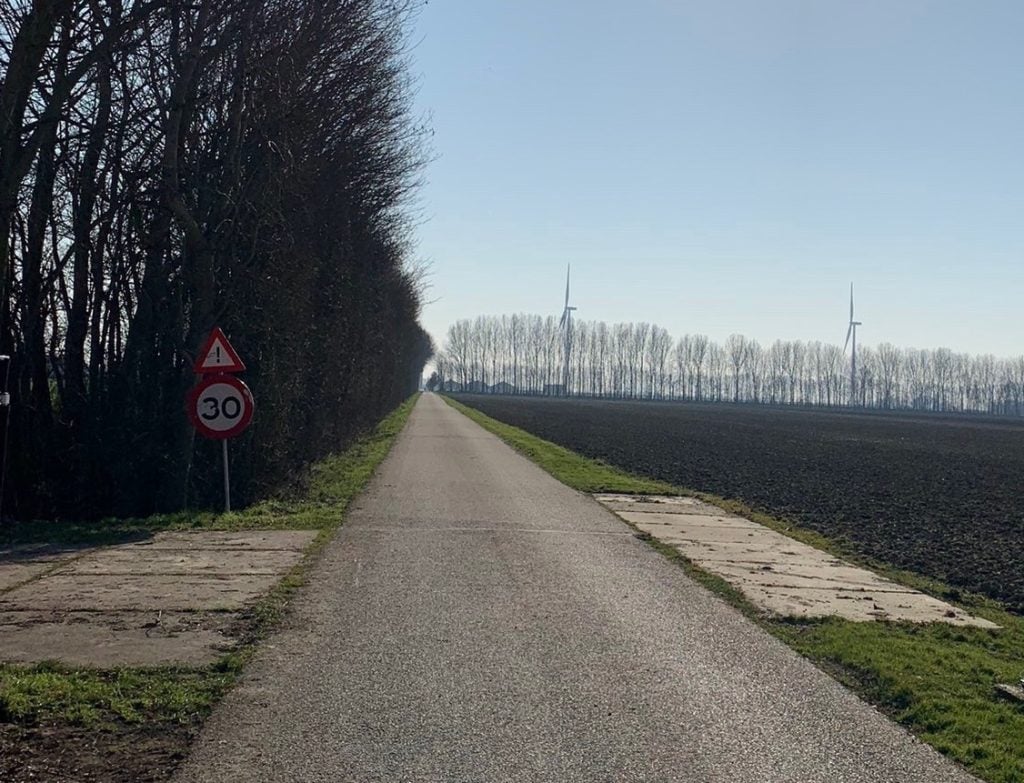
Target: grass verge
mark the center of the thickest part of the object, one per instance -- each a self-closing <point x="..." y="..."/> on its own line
<point x="936" y="680"/>
<point x="314" y="505"/>
<point x="51" y="695"/>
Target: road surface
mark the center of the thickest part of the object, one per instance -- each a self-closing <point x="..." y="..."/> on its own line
<point x="477" y="621"/>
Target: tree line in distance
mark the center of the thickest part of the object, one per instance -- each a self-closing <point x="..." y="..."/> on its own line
<point x="525" y="354"/>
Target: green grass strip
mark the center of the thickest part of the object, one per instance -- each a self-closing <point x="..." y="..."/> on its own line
<point x="54" y="693"/>
<point x="937" y="680"/>
<point x="315" y="504"/>
<point x="84" y="697"/>
<point x="586" y="475"/>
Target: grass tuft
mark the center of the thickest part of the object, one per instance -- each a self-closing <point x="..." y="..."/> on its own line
<point x="89" y="698"/>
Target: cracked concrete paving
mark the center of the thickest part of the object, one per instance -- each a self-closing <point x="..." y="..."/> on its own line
<point x="451" y="633"/>
<point x="777" y="573"/>
<point x="170" y="599"/>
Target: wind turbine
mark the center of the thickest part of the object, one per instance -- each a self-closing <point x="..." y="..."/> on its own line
<point x="852" y="333"/>
<point x="566" y="324"/>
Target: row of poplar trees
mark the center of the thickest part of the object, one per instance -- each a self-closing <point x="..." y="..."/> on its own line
<point x="525" y="354"/>
<point x="171" y="165"/>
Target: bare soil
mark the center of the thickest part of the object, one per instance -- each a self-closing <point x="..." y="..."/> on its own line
<point x="942" y="496"/>
<point x="70" y="754"/>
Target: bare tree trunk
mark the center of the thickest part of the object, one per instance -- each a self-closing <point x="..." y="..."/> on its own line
<point x="23" y="69"/>
<point x="74" y="398"/>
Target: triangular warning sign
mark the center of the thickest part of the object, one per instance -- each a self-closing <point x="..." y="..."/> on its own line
<point x="217" y="355"/>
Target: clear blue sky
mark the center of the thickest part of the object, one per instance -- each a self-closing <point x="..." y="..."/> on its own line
<point x="729" y="165"/>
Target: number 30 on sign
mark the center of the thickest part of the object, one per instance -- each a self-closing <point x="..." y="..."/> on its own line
<point x="220" y="406"/>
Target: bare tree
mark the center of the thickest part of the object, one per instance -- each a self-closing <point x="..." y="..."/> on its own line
<point x="165" y="166"/>
<point x="641" y="361"/>
<point x="736" y="347"/>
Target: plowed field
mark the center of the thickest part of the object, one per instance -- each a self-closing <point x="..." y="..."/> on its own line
<point x="939" y="495"/>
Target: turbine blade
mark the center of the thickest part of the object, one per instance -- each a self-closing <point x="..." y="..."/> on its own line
<point x="848" y="333"/>
<point x="561" y="324"/>
<point x="567" y="269"/>
<point x="851" y="301"/>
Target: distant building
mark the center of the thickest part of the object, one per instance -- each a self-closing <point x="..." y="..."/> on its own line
<point x="475" y="387"/>
<point x="503" y="387"/>
<point x="451" y="386"/>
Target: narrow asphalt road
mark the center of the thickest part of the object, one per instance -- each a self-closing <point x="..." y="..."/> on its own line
<point x="477" y="621"/>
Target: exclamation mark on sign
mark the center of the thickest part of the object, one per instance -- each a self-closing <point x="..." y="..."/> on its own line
<point x="218" y="354"/>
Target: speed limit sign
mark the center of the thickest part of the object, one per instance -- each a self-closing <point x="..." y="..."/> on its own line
<point x="220" y="406"/>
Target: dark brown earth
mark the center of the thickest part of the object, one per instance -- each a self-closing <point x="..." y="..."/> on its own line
<point x="939" y="495"/>
<point x="70" y="754"/>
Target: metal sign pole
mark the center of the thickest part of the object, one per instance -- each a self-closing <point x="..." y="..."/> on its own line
<point x="227" y="480"/>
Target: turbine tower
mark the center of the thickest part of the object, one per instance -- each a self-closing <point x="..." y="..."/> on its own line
<point x="566" y="325"/>
<point x="851" y="333"/>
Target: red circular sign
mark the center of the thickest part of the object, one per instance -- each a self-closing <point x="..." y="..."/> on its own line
<point x="220" y="406"/>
